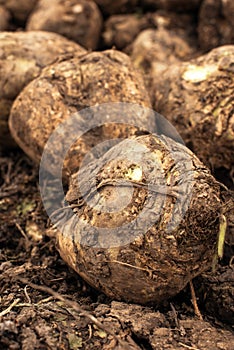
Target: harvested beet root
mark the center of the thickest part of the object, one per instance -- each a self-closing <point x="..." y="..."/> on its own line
<point x="144" y="221"/>
<point x="73" y="85"/>
<point x="78" y="20"/>
<point x="23" y="55"/>
<point x="216" y="27"/>
<point x="197" y="98"/>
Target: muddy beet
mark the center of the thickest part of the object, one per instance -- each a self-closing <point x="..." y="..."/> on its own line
<point x="119" y="237"/>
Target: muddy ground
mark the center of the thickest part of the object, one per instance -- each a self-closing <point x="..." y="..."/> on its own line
<point x="45" y="305"/>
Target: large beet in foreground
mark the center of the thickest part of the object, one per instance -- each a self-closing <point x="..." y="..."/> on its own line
<point x="144" y="222"/>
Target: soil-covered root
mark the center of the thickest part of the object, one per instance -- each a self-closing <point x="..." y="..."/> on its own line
<point x="70" y="86"/>
<point x="23" y="55"/>
<point x="78" y="20"/>
<point x="216" y="26"/>
<point x="5" y="18"/>
<point x="110" y="7"/>
<point x="121" y="30"/>
<point x="180" y="23"/>
<point x="19" y="9"/>
<point x="173" y="5"/>
<point x="197" y="98"/>
<point x="155" y="50"/>
<point x="145" y="220"/>
<point x="216" y="293"/>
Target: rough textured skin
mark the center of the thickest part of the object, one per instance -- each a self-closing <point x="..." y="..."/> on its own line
<point x="216" y="293"/>
<point x="121" y="30"/>
<point x="22" y="58"/>
<point x="78" y="20"/>
<point x="111" y="7"/>
<point x="20" y="9"/>
<point x="173" y="5"/>
<point x="4" y="18"/>
<point x="154" y="50"/>
<point x="157" y="263"/>
<point x="216" y="26"/>
<point x="197" y="98"/>
<point x="70" y="86"/>
<point x="183" y="24"/>
<point x="161" y="48"/>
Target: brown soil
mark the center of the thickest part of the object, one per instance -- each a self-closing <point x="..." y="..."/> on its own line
<point x="33" y="316"/>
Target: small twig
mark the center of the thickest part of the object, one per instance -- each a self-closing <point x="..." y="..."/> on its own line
<point x="187" y="346"/>
<point x="27" y="296"/>
<point x="21" y="231"/>
<point x="90" y="332"/>
<point x="37" y="304"/>
<point x="177" y="322"/>
<point x="8" y="194"/>
<point x="126" y="264"/>
<point x="25" y="305"/>
<point x="8" y="173"/>
<point x="221" y="236"/>
<point x="78" y="309"/>
<point x="4" y="312"/>
<point x="231" y="261"/>
<point x="194" y="302"/>
<point x="150" y="273"/>
<point x="175" y="316"/>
